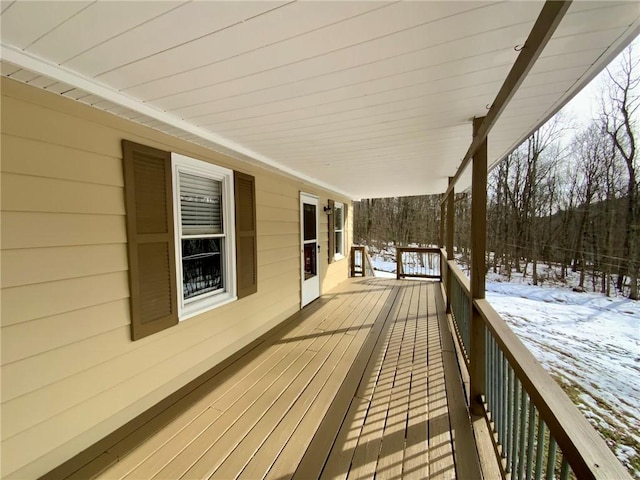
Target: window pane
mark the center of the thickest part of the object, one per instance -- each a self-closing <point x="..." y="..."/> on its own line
<point x="201" y="266"/>
<point x="200" y="205"/>
<point x="310" y="263"/>
<point x="338" y="243"/>
<point x="338" y="218"/>
<point x="309" y="215"/>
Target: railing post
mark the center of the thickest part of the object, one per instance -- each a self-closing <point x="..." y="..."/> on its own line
<point x="353" y="261"/>
<point x="449" y="241"/>
<point x="477" y="280"/>
<point x="442" y="221"/>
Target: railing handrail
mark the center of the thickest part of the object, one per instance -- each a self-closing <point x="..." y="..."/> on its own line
<point x="419" y="249"/>
<point x="582" y="446"/>
<point x="460" y="277"/>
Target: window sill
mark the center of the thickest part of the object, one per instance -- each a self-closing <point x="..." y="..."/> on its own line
<point x="205" y="305"/>
<point x="338" y="257"/>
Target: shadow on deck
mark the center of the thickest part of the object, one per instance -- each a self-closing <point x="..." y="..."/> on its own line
<point x="362" y="382"/>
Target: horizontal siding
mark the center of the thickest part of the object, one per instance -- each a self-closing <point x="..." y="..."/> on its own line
<point x="336" y="273"/>
<point x="70" y="372"/>
<point x="277" y="200"/>
<point x="112" y="352"/>
<point x="37" y="230"/>
<point x="277" y="242"/>
<point x="60" y="196"/>
<point x="276" y="255"/>
<point x="266" y="229"/>
<point x="32" y="157"/>
<point x="28" y="339"/>
<point x="19" y="305"/>
<point x="37" y="265"/>
<point x="32" y="121"/>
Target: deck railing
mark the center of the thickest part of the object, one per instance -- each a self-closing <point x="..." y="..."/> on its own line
<point x="537" y="431"/>
<point x="460" y="301"/>
<point x="361" y="264"/>
<point x="417" y="262"/>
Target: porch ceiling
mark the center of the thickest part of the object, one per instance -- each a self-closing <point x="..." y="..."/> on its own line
<point x="370" y="99"/>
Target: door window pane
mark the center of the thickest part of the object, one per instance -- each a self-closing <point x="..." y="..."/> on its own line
<point x="309" y="215"/>
<point x="310" y="261"/>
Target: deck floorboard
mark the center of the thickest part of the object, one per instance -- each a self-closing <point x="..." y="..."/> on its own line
<point x="354" y="388"/>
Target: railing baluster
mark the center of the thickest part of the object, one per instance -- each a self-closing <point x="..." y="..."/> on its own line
<point x="499" y="392"/>
<point x="540" y="448"/>
<point x="494" y="383"/>
<point x="564" y="470"/>
<point x="487" y="374"/>
<point x="523" y="432"/>
<point x="531" y="439"/>
<point x="551" y="458"/>
<point x="505" y="405"/>
<point x="509" y="425"/>
<point x="515" y="447"/>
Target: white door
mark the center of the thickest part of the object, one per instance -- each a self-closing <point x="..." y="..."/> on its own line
<point x="310" y="247"/>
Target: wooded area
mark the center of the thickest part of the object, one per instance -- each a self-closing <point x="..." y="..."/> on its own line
<point x="568" y="197"/>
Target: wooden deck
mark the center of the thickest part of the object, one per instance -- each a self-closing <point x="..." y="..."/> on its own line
<point x="354" y="386"/>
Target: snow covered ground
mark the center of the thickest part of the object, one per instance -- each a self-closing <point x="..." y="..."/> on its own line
<point x="590" y="343"/>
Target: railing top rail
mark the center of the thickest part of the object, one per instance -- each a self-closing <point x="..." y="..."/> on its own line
<point x="582" y="446"/>
<point x="418" y="249"/>
<point x="460" y="277"/>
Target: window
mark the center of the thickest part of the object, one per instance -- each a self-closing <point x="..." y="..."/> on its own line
<point x="204" y="229"/>
<point x="338" y="230"/>
<point x="191" y="236"/>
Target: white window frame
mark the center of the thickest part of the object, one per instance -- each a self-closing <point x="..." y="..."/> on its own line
<point x="338" y="256"/>
<point x="208" y="301"/>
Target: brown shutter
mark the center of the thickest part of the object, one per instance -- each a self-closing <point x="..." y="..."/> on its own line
<point x="246" y="239"/>
<point x="332" y="231"/>
<point x="150" y="240"/>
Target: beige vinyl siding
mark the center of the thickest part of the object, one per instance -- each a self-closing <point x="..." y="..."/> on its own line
<point x="35" y="229"/>
<point x="339" y="269"/>
<point x="70" y="372"/>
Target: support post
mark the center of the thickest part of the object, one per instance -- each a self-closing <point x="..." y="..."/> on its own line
<point x="449" y="239"/>
<point x="478" y="272"/>
<point x="442" y="221"/>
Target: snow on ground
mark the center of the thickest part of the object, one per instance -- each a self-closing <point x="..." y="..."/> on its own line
<point x="589" y="342"/>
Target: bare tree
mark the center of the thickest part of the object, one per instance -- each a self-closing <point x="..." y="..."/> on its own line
<point x="619" y="107"/>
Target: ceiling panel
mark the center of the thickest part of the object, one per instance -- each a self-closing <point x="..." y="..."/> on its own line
<point x="360" y="97"/>
<point x="25" y="22"/>
<point x="164" y="32"/>
<point x="368" y="98"/>
<point x="254" y="33"/>
<point x="346" y="62"/>
<point x="107" y="20"/>
<point x="339" y="45"/>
